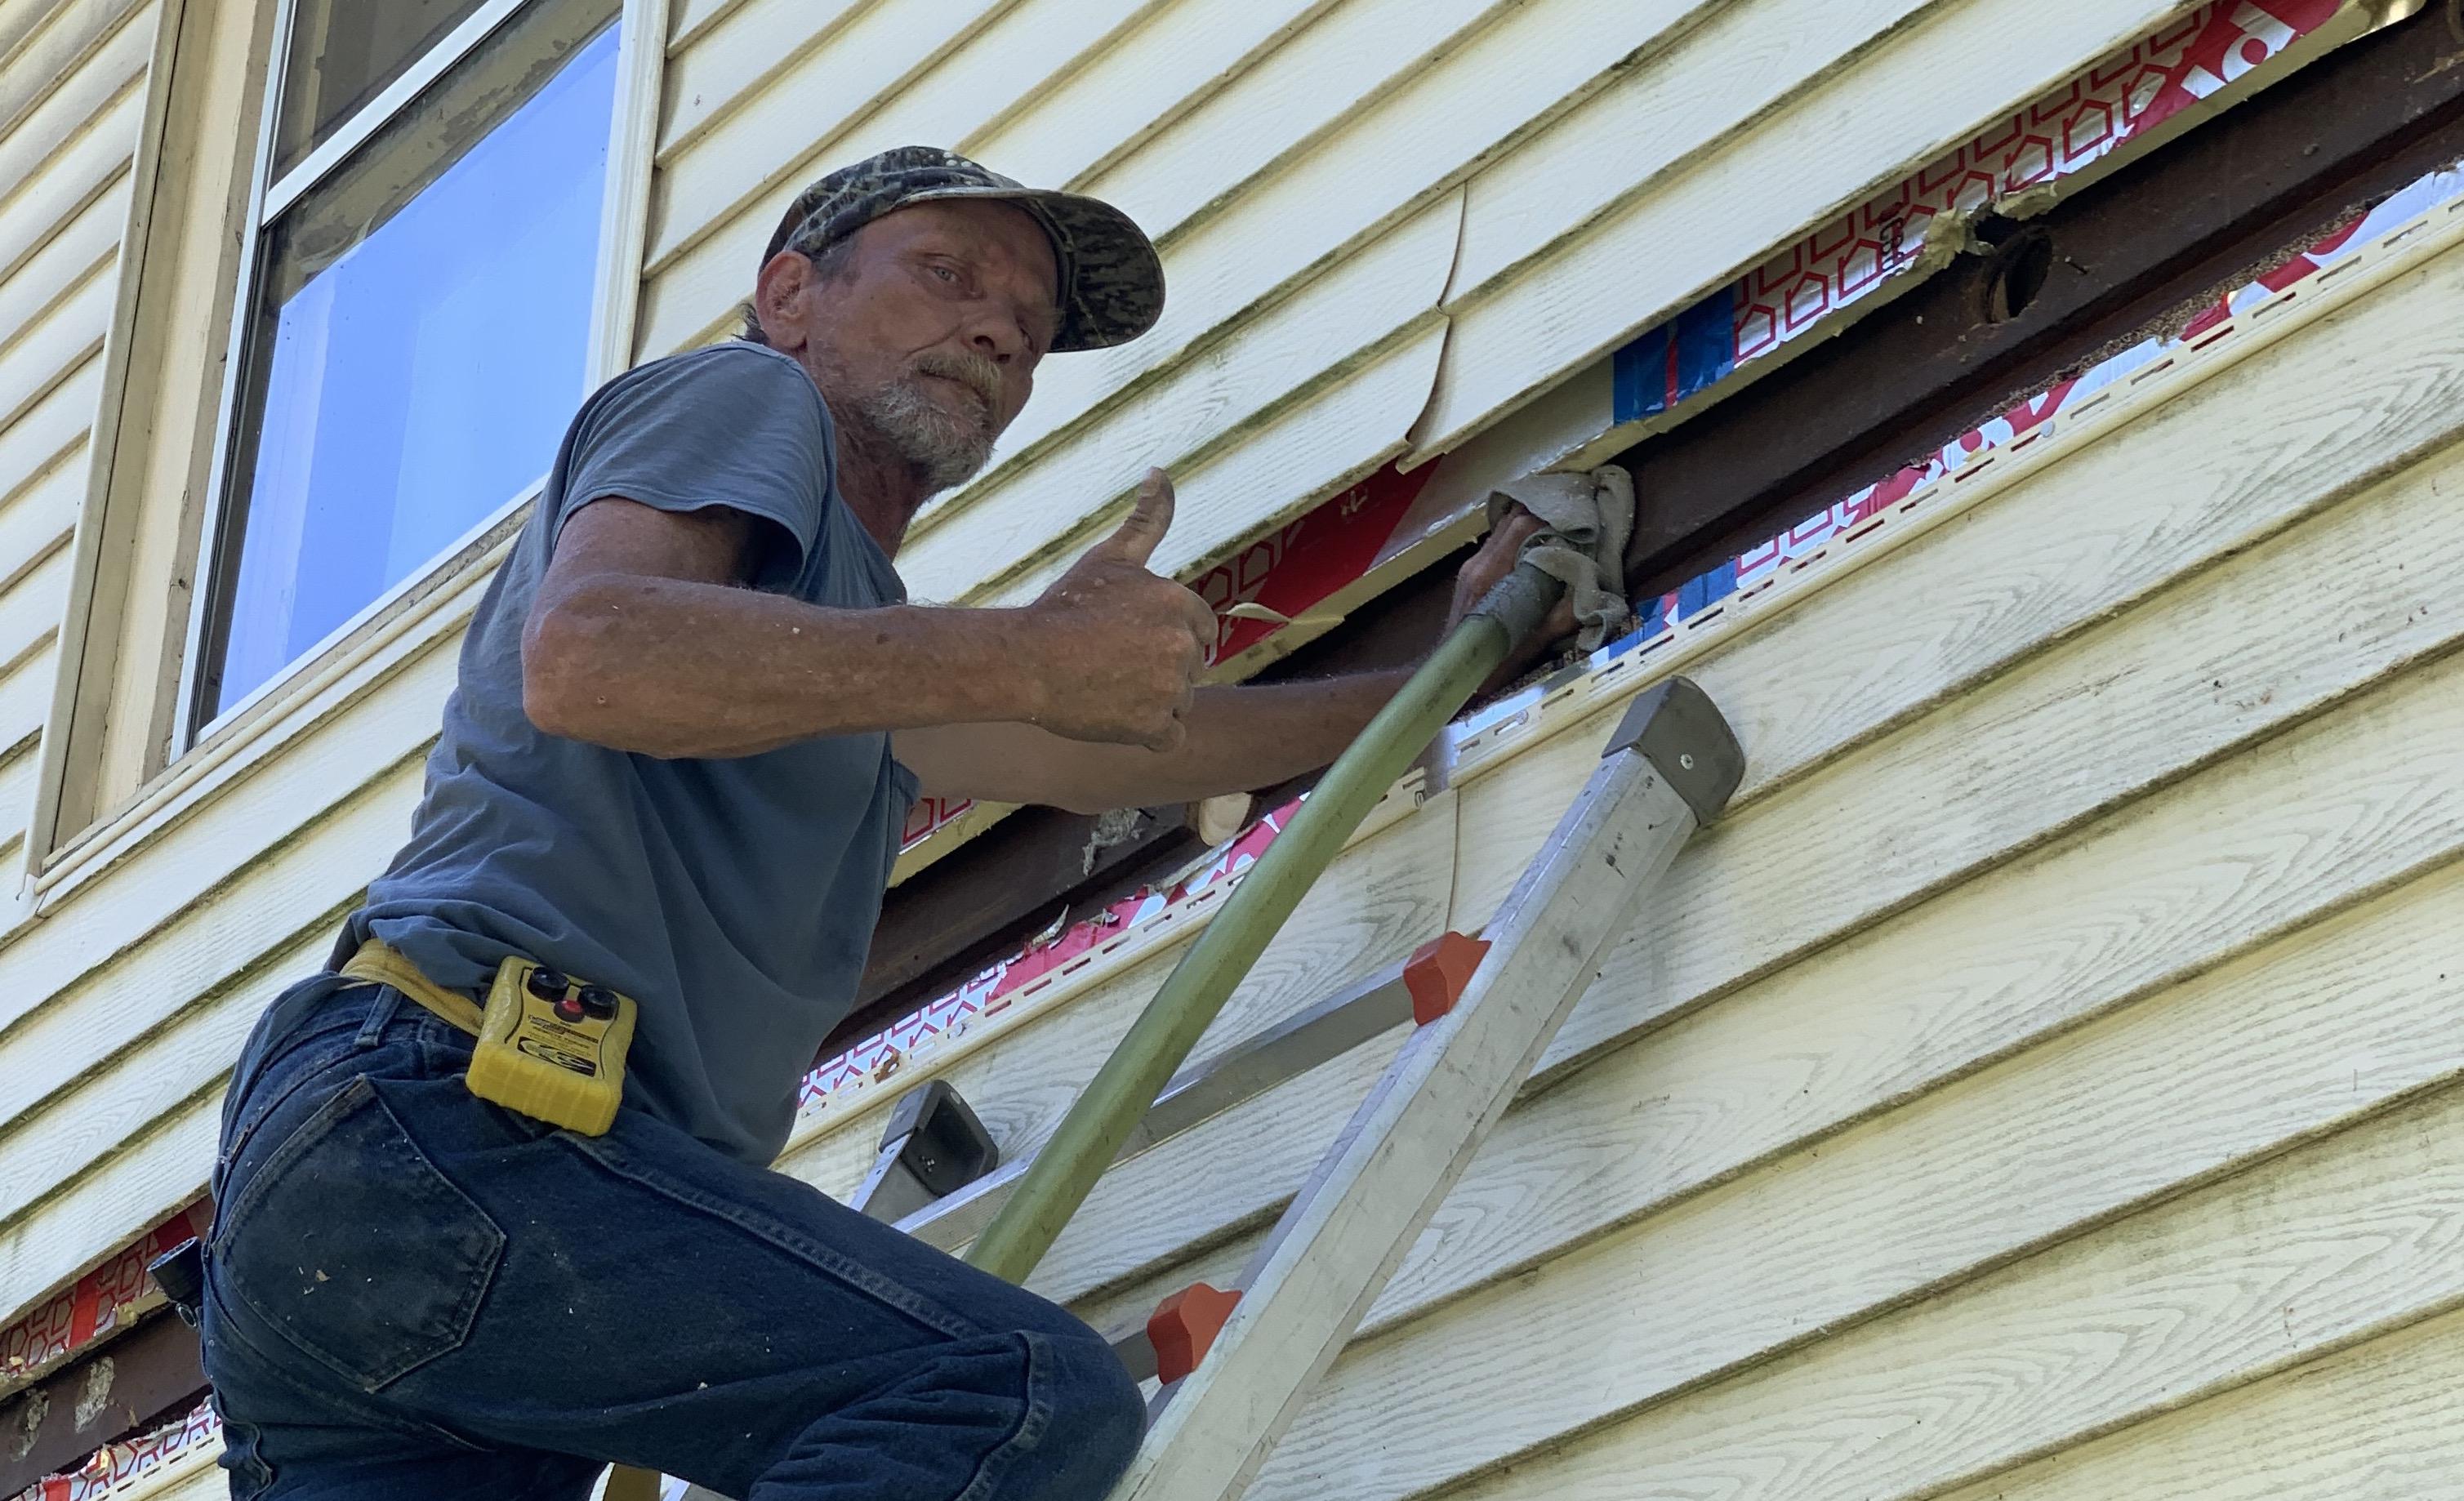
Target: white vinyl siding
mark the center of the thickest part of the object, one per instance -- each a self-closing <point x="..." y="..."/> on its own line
<point x="1316" y="142"/>
<point x="71" y="100"/>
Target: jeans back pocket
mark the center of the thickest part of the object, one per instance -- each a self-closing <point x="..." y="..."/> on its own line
<point x="349" y="1242"/>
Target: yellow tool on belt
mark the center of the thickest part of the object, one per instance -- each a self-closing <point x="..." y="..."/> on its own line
<point x="551" y="1047"/>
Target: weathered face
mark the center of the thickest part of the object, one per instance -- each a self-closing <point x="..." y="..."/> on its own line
<point x="930" y="331"/>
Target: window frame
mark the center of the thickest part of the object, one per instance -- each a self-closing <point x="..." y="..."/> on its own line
<point x="268" y="202"/>
<point x="64" y="847"/>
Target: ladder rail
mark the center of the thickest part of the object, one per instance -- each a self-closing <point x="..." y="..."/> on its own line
<point x="1670" y="768"/>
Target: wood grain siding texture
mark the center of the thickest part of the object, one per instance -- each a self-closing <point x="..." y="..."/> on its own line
<point x="2376" y="1418"/>
<point x="2353" y="1236"/>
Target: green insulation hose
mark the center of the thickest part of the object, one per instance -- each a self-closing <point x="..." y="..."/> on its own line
<point x="1058" y="1180"/>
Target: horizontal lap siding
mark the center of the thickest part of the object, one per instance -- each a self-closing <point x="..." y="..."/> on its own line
<point x="2376" y="1418"/>
<point x="2058" y="1039"/>
<point x="2340" y="1240"/>
<point x="149" y="983"/>
<point x="1311" y="146"/>
<point x="1553" y="279"/>
<point x="70" y="97"/>
<point x="2208" y="1075"/>
<point x="2077" y="542"/>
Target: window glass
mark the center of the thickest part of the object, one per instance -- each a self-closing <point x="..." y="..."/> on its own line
<point x="343" y="54"/>
<point x="421" y="336"/>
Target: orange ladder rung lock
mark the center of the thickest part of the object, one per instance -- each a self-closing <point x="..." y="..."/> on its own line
<point x="1437" y="971"/>
<point x="1183" y="1327"/>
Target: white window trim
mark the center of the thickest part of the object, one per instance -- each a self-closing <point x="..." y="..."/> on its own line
<point x="209" y="539"/>
<point x="371" y="117"/>
<point x="420" y="611"/>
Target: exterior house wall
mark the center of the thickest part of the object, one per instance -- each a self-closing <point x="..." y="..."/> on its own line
<point x="72" y="101"/>
<point x="2059" y="988"/>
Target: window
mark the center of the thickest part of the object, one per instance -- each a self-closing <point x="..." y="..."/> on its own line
<point x="417" y="326"/>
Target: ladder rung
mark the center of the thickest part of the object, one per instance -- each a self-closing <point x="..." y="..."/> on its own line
<point x="1351" y="1016"/>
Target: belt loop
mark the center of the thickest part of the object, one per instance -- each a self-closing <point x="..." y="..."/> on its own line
<point x="381" y="1010"/>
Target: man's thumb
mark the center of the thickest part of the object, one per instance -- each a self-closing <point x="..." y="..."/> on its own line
<point x="1150" y="518"/>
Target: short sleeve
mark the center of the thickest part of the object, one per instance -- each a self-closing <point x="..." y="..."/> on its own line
<point x="737" y="425"/>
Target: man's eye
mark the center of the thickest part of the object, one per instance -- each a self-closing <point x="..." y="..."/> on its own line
<point x="945" y="273"/>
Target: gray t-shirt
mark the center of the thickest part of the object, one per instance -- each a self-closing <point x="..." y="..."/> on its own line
<point x="732" y="897"/>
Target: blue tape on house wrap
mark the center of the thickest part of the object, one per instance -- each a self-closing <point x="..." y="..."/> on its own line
<point x="1699" y="594"/>
<point x="1663" y="366"/>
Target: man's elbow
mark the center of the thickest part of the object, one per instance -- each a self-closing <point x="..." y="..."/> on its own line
<point x="554" y="703"/>
<point x="558" y="692"/>
<point x="570" y="683"/>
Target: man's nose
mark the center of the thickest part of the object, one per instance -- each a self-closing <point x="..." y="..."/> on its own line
<point x="997" y="340"/>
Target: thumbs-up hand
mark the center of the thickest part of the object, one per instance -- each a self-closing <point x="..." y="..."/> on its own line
<point x="1122" y="647"/>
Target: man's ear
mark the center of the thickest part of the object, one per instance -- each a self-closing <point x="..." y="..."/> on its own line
<point x="777" y="299"/>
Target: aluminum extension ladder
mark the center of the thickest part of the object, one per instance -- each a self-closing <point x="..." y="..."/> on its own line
<point x="1234" y="1365"/>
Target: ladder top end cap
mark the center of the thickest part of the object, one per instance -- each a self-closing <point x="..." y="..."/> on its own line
<point x="1683" y="734"/>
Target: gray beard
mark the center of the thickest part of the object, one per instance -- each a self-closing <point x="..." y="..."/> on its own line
<point x="941" y="448"/>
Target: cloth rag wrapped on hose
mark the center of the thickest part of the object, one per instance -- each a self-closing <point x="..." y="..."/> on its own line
<point x="1585" y="521"/>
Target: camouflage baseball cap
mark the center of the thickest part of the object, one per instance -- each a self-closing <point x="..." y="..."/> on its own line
<point x="1112" y="282"/>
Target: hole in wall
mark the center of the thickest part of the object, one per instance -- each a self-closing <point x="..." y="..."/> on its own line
<point x="2017" y="273"/>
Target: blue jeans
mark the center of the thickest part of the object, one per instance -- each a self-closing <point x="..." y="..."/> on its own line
<point x="412" y="1293"/>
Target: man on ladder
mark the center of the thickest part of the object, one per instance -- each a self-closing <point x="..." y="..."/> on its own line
<point x="493" y="1199"/>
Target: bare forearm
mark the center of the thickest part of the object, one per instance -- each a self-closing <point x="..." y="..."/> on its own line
<point x="1245" y="738"/>
<point x="679" y="667"/>
<point x="1239" y="739"/>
